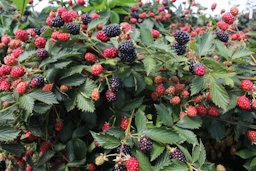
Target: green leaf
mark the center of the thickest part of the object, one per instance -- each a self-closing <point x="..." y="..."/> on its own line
<point x="25" y="55"/>
<point x="45" y="97"/>
<point x="222" y="49"/>
<point x="8" y="133"/>
<point x="156" y="151"/>
<point x="185" y="152"/>
<point x="114" y="17"/>
<point x="132" y="104"/>
<point x="198" y="84"/>
<point x="106" y="141"/>
<point x="218" y="94"/>
<point x="176" y="166"/>
<point x="140" y="120"/>
<point x="74" y="80"/>
<point x="241" y="52"/>
<point x="189" y="123"/>
<point x="26" y="102"/>
<point x="162" y="135"/>
<point x="84" y="104"/>
<point x="16" y="149"/>
<point x="205" y="44"/>
<point x="202" y="156"/>
<point x="188" y="135"/>
<point x="76" y="149"/>
<point x="88" y="87"/>
<point x="139" y="82"/>
<point x="246" y="153"/>
<point x="21" y="4"/>
<point x="116" y="132"/>
<point x="253" y="163"/>
<point x="76" y="163"/>
<point x="143" y="160"/>
<point x="146" y="36"/>
<point x="45" y="158"/>
<point x="217" y="130"/>
<point x="163" y="161"/>
<point x="195" y="153"/>
<point x="165" y="114"/>
<point x="98" y="21"/>
<point x="149" y="64"/>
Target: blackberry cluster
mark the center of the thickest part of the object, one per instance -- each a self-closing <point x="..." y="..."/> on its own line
<point x="112" y="30"/>
<point x="222" y="36"/>
<point x="180" y="49"/>
<point x="86" y="19"/>
<point x="119" y="167"/>
<point x="73" y="28"/>
<point x="126" y="149"/>
<point x="178" y="155"/>
<point x="37" y="82"/>
<point x="57" y="22"/>
<point x="182" y="37"/>
<point x="37" y="31"/>
<point x="145" y="143"/>
<point x="127" y="52"/>
<point x="42" y="53"/>
<point x="115" y="83"/>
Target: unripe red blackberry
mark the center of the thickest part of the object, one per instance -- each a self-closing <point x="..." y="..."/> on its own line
<point x="111" y="96"/>
<point x="145" y="143"/>
<point x="246" y="85"/>
<point x="191" y="111"/>
<point x="102" y="36"/>
<point x="201" y="110"/>
<point x="213" y="111"/>
<point x="177" y="155"/>
<point x="110" y="52"/>
<point x="112" y="30"/>
<point x="244" y="102"/>
<point x="132" y="164"/>
<point x="228" y="18"/>
<point x="182" y="37"/>
<point x="199" y="69"/>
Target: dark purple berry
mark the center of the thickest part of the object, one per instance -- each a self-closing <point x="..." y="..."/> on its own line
<point x="222" y="36"/>
<point x="73" y="28"/>
<point x="178" y="155"/>
<point x="180" y="49"/>
<point x="37" y="82"/>
<point x="112" y="30"/>
<point x="125" y="148"/>
<point x="182" y="37"/>
<point x="42" y="53"/>
<point x="115" y="83"/>
<point x="57" y="22"/>
<point x="145" y="143"/>
<point x="119" y="167"/>
<point x="111" y="96"/>
<point x="86" y="19"/>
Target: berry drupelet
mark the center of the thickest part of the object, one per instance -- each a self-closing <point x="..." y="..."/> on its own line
<point x="182" y="37"/>
<point x="112" y="30"/>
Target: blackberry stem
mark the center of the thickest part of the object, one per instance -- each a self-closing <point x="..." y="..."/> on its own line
<point x="128" y="130"/>
<point x="5" y="109"/>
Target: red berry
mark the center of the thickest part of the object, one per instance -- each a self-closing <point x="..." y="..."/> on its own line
<point x="47" y="87"/>
<point x="124" y="123"/>
<point x="10" y="60"/>
<point x="185" y="94"/>
<point x="81" y="2"/>
<point x="254" y="105"/>
<point x="40" y="42"/>
<point x="251" y="134"/>
<point x="158" y="79"/>
<point x="201" y="110"/>
<point x="95" y="95"/>
<point x="60" y="10"/>
<point x="16" y="52"/>
<point x="44" y="147"/>
<point x="179" y="87"/>
<point x="91" y="167"/>
<point x="191" y="111"/>
<point x="182" y="115"/>
<point x="95" y="16"/>
<point x="5" y="70"/>
<point x="64" y="88"/>
<point x="175" y="79"/>
<point x="160" y="90"/>
<point x="199" y="69"/>
<point x="246" y="85"/>
<point x="21" y="35"/>
<point x="175" y="100"/>
<point x="132" y="164"/>
<point x="222" y="25"/>
<point x="17" y="72"/>
<point x="198" y="99"/>
<point x="90" y="57"/>
<point x="67" y="16"/>
<point x="151" y="14"/>
<point x="110" y="52"/>
<point x="22" y="88"/>
<point x="143" y="15"/>
<point x="29" y="168"/>
<point x="5" y="85"/>
<point x="244" y="103"/>
<point x="5" y="39"/>
<point x="170" y="90"/>
<point x="213" y="111"/>
<point x="154" y="96"/>
<point x="213" y="7"/>
<point x="105" y="127"/>
<point x="155" y="33"/>
<point x="222" y="11"/>
<point x="102" y="36"/>
<point x="63" y="37"/>
<point x="133" y="20"/>
<point x="228" y="18"/>
<point x="58" y="125"/>
<point x="111" y="96"/>
<point x="97" y="69"/>
<point x="234" y="11"/>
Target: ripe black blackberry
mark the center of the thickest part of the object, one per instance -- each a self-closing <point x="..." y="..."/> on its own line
<point x="128" y="57"/>
<point x="57" y="22"/>
<point x="115" y="83"/>
<point x="222" y="36"/>
<point x="73" y="28"/>
<point x="191" y="67"/>
<point x="126" y="149"/>
<point x="182" y="37"/>
<point x="112" y="30"/>
<point x="180" y="49"/>
<point x="119" y="167"/>
<point x="111" y="96"/>
<point x="126" y="47"/>
<point x="37" y="31"/>
<point x="27" y="12"/>
<point x="145" y="143"/>
<point x="37" y="82"/>
<point x="178" y="155"/>
<point x="42" y="53"/>
<point x="86" y="19"/>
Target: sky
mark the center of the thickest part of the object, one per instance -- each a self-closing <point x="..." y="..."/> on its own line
<point x="221" y="4"/>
